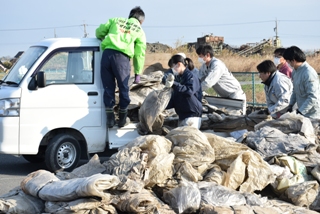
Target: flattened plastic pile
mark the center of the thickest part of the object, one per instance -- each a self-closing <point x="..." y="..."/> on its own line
<point x="273" y="168"/>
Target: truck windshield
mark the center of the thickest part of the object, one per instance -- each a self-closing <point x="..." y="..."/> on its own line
<point x="23" y="65"/>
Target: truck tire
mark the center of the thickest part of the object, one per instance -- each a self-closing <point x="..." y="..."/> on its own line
<point x="62" y="153"/>
<point x="33" y="158"/>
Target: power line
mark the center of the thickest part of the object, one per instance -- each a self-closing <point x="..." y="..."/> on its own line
<point x="170" y="26"/>
<point x="43" y="28"/>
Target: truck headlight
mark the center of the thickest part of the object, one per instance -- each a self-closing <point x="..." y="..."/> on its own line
<point x="9" y="107"/>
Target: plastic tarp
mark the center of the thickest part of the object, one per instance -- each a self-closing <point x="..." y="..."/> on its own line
<point x="150" y="118"/>
<point x="143" y="202"/>
<point x="242" y="165"/>
<point x="191" y="145"/>
<point x="148" y="83"/>
<point x="185" y="198"/>
<point x="94" y="166"/>
<point x="217" y="195"/>
<point x="270" y="142"/>
<point x="130" y="162"/>
<point x="80" y="206"/>
<point x="291" y="123"/>
<point x="303" y="194"/>
<point x="37" y="185"/>
<point x="193" y="153"/>
<point x="158" y="164"/>
<point x="216" y="175"/>
<point x="18" y="202"/>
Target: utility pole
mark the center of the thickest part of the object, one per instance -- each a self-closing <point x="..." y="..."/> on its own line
<point x="276" y="29"/>
<point x="85" y="30"/>
<point x="276" y="42"/>
<point x="55" y="35"/>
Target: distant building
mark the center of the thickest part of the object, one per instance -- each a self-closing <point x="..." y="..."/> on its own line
<point x="217" y="42"/>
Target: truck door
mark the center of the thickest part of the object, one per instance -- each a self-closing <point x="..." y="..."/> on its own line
<point x="72" y="99"/>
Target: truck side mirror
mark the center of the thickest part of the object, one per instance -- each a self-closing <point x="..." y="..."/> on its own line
<point x="38" y="80"/>
<point x="41" y="79"/>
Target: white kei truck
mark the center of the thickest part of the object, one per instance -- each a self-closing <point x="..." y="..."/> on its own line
<point x="51" y="105"/>
<point x="52" y="109"/>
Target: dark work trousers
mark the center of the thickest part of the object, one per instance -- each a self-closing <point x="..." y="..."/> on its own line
<point x="115" y="66"/>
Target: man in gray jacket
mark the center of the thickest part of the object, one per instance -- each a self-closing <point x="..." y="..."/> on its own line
<point x="277" y="87"/>
<point x="214" y="73"/>
<point x="306" y="90"/>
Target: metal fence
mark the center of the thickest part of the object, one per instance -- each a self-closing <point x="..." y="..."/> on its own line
<point x="252" y="86"/>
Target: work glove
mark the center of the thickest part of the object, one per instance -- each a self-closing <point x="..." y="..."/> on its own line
<point x="136" y="78"/>
<point x="264" y="111"/>
<point x="298" y="112"/>
<point x="169" y="81"/>
<point x="289" y="109"/>
<point x="204" y="94"/>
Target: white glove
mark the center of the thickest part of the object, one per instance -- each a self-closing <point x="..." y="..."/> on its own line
<point x="169" y="81"/>
<point x="204" y="94"/>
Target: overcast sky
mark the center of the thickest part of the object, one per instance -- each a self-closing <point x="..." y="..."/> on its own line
<point x="24" y="22"/>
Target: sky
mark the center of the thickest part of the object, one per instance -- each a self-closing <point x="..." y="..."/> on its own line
<point x="171" y="22"/>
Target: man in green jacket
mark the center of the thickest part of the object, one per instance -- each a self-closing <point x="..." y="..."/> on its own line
<point x="122" y="39"/>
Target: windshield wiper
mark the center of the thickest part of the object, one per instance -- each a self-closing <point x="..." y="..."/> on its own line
<point x="8" y="82"/>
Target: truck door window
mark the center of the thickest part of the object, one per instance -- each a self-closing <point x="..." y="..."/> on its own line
<point x="69" y="67"/>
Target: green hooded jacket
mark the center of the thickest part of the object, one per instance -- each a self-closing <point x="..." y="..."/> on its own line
<point x="126" y="36"/>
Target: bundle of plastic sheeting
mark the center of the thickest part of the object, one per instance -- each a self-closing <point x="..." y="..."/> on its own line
<point x="68" y="190"/>
<point x="217" y="195"/>
<point x="270" y="142"/>
<point x="209" y="209"/>
<point x="80" y="206"/>
<point x="131" y="162"/>
<point x="298" y="170"/>
<point x="220" y="122"/>
<point x="127" y="184"/>
<point x="143" y="202"/>
<point x="150" y="118"/>
<point x="148" y="83"/>
<point x="242" y="165"/>
<point x="94" y="166"/>
<point x="16" y="201"/>
<point x="284" y="207"/>
<point x="291" y="123"/>
<point x="215" y="174"/>
<point x="303" y="194"/>
<point x="159" y="161"/>
<point x="36" y="180"/>
<point x="243" y="173"/>
<point x="185" y="198"/>
<point x="190" y="147"/>
<point x="225" y="149"/>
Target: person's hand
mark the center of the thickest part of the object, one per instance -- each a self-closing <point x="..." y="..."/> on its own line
<point x="204" y="93"/>
<point x="136" y="78"/>
<point x="289" y="109"/>
<point x="298" y="112"/>
<point x="169" y="81"/>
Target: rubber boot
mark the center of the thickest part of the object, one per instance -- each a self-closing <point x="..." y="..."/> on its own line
<point x="122" y="117"/>
<point x="110" y="117"/>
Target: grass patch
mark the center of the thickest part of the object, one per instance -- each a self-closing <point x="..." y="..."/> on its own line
<point x="2" y="74"/>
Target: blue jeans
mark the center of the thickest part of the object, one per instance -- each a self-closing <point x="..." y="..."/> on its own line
<point x="115" y="66"/>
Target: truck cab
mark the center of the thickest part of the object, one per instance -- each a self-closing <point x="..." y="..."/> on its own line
<point x="51" y="105"/>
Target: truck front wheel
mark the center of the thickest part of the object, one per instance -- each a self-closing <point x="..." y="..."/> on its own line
<point x="63" y="152"/>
